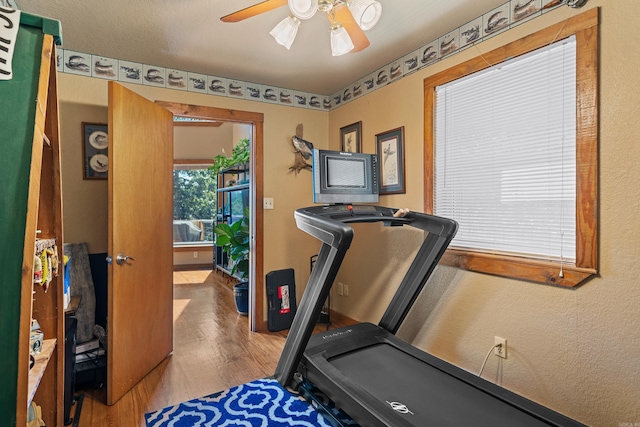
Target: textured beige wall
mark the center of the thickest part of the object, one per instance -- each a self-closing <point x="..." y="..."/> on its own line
<point x="575" y="350"/>
<point x="85" y="202"/>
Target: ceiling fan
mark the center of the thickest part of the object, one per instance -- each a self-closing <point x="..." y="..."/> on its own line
<point x="349" y="19"/>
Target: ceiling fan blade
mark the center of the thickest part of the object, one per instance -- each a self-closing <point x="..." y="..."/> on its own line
<point x="554" y="3"/>
<point x="343" y="15"/>
<point x="254" y="10"/>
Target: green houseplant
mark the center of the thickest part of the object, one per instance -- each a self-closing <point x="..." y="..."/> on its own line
<point x="234" y="241"/>
<point x="239" y="156"/>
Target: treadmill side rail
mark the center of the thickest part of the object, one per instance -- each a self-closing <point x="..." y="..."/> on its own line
<point x="329" y="224"/>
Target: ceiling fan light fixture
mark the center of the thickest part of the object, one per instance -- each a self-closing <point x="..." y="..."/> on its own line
<point x="367" y="13"/>
<point x="340" y="41"/>
<point x="286" y="30"/>
<point x="303" y="9"/>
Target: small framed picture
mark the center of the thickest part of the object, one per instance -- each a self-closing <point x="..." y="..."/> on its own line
<point x="390" y="150"/>
<point x="351" y="137"/>
<point x="95" y="150"/>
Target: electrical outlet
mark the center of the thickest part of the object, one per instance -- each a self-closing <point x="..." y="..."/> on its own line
<point x="340" y="289"/>
<point x="502" y="350"/>
<point x="346" y="290"/>
<point x="267" y="203"/>
<point x="195" y="254"/>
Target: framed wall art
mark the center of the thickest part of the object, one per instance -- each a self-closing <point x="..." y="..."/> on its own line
<point x="95" y="154"/>
<point x="351" y="138"/>
<point x="390" y="151"/>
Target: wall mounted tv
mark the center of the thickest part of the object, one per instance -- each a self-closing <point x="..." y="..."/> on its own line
<point x="344" y="178"/>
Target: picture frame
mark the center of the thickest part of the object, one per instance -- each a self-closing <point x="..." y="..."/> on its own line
<point x="390" y="151"/>
<point x="351" y="138"/>
<point x="95" y="150"/>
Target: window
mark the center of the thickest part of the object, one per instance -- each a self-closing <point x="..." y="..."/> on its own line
<point x="194" y="204"/>
<point x="511" y="154"/>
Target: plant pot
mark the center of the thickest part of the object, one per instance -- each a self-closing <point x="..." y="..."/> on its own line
<point x="241" y="294"/>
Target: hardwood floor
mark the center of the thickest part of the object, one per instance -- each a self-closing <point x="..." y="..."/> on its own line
<point x="213" y="350"/>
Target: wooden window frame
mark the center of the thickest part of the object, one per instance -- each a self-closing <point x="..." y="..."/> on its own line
<point x="585" y="28"/>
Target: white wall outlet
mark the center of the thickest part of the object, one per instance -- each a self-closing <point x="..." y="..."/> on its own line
<point x="340" y="289"/>
<point x="346" y="290"/>
<point x="195" y="254"/>
<point x="267" y="203"/>
<point x="500" y="351"/>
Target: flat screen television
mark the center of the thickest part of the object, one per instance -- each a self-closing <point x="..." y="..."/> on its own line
<point x="344" y="178"/>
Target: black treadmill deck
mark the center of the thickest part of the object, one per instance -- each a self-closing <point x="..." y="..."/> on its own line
<point x="365" y="366"/>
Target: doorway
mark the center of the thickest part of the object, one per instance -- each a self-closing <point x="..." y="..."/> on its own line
<point x="256" y="121"/>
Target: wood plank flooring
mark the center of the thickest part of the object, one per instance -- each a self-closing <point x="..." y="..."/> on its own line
<point x="213" y="350"/>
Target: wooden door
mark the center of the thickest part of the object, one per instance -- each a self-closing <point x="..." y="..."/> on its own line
<point x="140" y="288"/>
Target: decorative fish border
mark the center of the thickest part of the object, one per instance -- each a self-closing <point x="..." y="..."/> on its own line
<point x="496" y="21"/>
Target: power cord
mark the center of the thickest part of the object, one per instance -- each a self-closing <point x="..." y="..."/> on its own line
<point x="487" y="358"/>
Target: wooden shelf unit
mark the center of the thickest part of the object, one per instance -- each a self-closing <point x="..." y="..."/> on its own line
<point x="31" y="192"/>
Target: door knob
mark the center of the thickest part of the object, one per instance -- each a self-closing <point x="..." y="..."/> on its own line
<point x="123" y="259"/>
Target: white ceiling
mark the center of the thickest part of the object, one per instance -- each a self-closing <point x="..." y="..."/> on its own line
<point x="189" y="36"/>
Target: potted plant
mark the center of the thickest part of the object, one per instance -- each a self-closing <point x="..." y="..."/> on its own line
<point x="239" y="156"/>
<point x="234" y="241"/>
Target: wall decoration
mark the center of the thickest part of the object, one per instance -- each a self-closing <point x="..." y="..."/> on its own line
<point x="395" y="70"/>
<point x="429" y="53"/>
<point x="254" y="91"/>
<point x="302" y="151"/>
<point x="95" y="154"/>
<point x="153" y="76"/>
<point x="390" y="150"/>
<point x="496" y="21"/>
<point x="411" y="62"/>
<point x="449" y="43"/>
<point x="369" y="82"/>
<point x="326" y="103"/>
<point x="382" y="76"/>
<point x="286" y="97"/>
<point x="314" y="102"/>
<point x="347" y="95"/>
<point x="351" y="138"/>
<point x="357" y="89"/>
<point x="130" y="72"/>
<point x="217" y="86"/>
<point x="177" y="79"/>
<point x="270" y="94"/>
<point x="522" y="9"/>
<point x="77" y="63"/>
<point x="470" y="32"/>
<point x="104" y="68"/>
<point x="301" y="99"/>
<point x="197" y="82"/>
<point x="236" y="88"/>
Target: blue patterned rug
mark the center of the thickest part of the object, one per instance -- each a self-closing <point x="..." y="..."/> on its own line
<point x="261" y="403"/>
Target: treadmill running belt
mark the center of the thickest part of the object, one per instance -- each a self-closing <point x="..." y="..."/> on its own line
<point x="431" y="396"/>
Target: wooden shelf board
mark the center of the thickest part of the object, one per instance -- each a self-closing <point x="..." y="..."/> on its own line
<point x="237" y="187"/>
<point x="36" y="373"/>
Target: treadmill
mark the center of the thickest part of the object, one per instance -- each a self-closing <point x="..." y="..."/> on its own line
<point x="364" y="369"/>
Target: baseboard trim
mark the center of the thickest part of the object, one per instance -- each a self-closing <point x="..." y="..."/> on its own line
<point x="183" y="267"/>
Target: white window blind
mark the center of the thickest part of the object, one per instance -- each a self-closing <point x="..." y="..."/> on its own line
<point x="505" y="155"/>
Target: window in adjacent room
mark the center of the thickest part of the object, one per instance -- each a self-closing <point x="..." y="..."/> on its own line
<point x="508" y="159"/>
<point x="194" y="204"/>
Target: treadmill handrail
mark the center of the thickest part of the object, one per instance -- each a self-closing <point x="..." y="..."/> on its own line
<point x="329" y="224"/>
